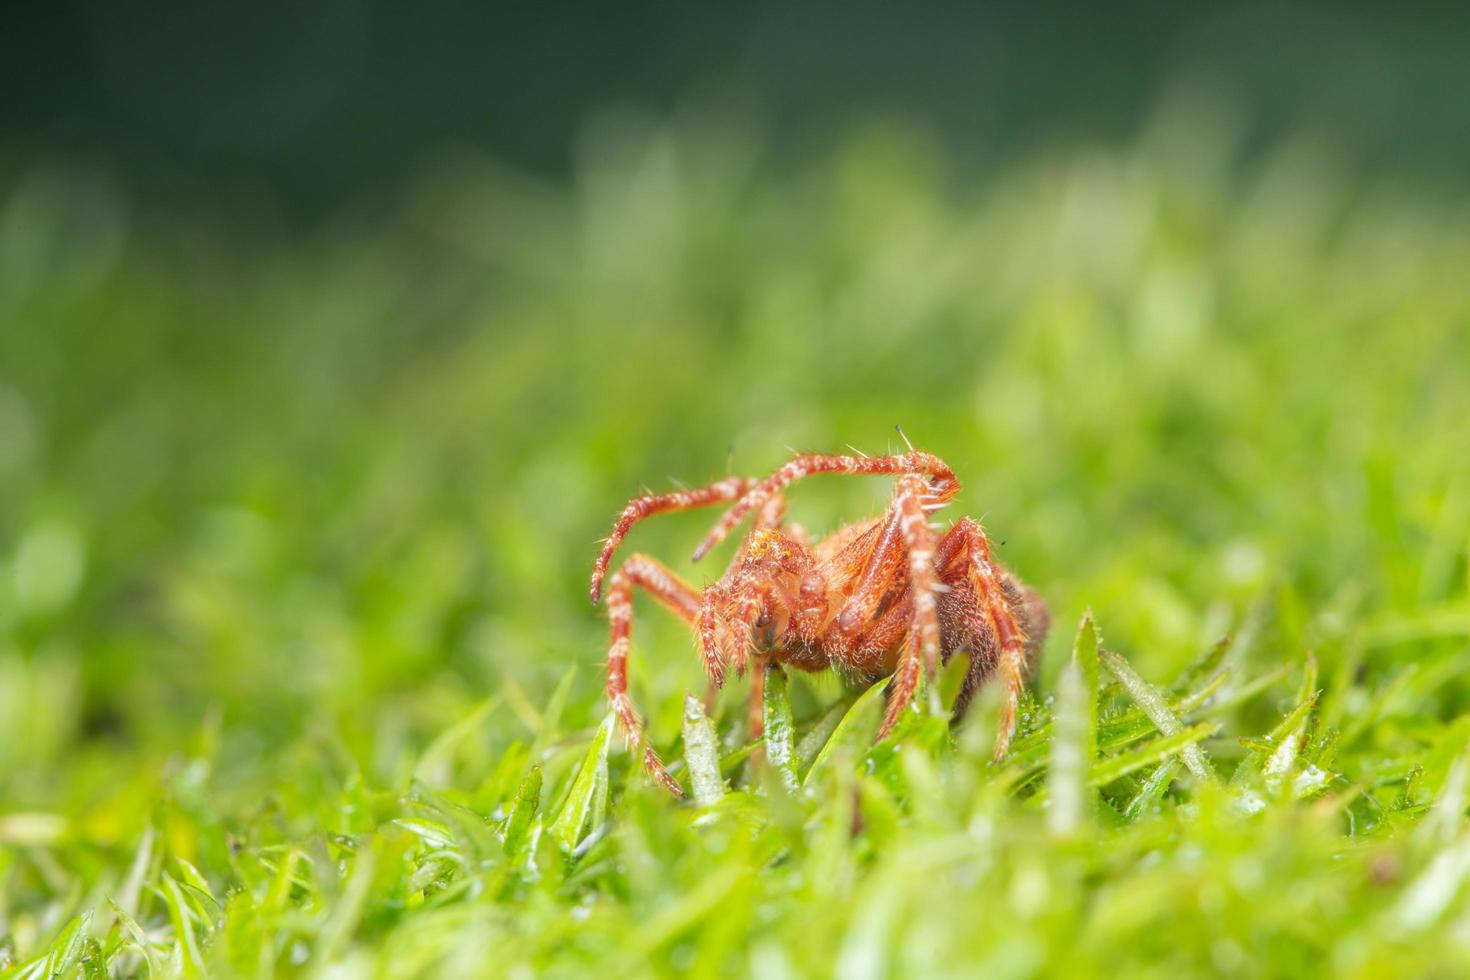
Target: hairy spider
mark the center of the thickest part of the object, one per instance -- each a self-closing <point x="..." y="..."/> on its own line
<point x="885" y="596"/>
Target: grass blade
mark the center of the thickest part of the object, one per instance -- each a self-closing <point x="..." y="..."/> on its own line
<point x="779" y="731"/>
<point x="1181" y="741"/>
<point x="1074" y="744"/>
<point x="1066" y="779"/>
<point x="347" y="914"/>
<point x="588" y="787"/>
<point x="522" y="812"/>
<point x="60" y="958"/>
<point x="1085" y="648"/>
<point x="702" y="753"/>
<point x="852" y="733"/>
<point x="136" y="937"/>
<point x="1157" y="709"/>
<point x="187" y="952"/>
<point x="1152" y="790"/>
<point x="816" y="737"/>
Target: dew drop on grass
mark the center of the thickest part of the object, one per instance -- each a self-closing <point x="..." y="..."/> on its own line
<point x="1310" y="780"/>
<point x="1250" y="802"/>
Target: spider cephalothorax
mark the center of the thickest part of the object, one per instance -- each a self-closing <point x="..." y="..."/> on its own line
<point x="885" y="596"/>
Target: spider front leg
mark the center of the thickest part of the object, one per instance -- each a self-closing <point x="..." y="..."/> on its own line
<point x="904" y="683"/>
<point x="912" y="502"/>
<point x="903" y="551"/>
<point x="673" y="594"/>
<point x="730" y="611"/>
<point x="718" y="645"/>
<point x="723" y="639"/>
<point x="1007" y="622"/>
<point x="943" y="483"/>
<point x="638" y="508"/>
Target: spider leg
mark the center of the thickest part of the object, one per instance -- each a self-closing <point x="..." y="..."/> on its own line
<point x="879" y="572"/>
<point x="1034" y="619"/>
<point x="638" y="508"/>
<point x="904" y="683"/>
<point x="967" y="629"/>
<point x="1004" y="613"/>
<point x="886" y="632"/>
<point x="911" y="503"/>
<point x="942" y="483"/>
<point x="676" y="596"/>
<point x="966" y="625"/>
<point x="769" y="517"/>
<point x="904" y="548"/>
<point x="772" y="513"/>
<point x="716" y="643"/>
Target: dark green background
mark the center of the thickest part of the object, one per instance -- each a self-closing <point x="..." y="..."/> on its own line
<point x="293" y="109"/>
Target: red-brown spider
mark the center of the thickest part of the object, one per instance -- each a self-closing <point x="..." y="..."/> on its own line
<point x="880" y="597"/>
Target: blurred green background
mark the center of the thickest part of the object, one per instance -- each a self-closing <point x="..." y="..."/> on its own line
<point x="327" y="437"/>
<point x="332" y="339"/>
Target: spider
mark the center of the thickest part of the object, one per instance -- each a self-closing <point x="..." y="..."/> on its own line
<point x="887" y="596"/>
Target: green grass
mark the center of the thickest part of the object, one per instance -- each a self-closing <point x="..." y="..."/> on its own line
<point x="298" y="676"/>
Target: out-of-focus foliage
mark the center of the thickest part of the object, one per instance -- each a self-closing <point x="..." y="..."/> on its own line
<point x="296" y="665"/>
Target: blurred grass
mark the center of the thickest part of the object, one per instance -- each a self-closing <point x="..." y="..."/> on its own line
<point x="294" y="539"/>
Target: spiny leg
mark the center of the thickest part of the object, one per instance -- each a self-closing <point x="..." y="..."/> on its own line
<point x="675" y="595"/>
<point x="965" y="620"/>
<point x="772" y="513"/>
<point x="717" y="644"/>
<point x="972" y="631"/>
<point x="998" y="609"/>
<point x="943" y="483"/>
<point x="726" y="623"/>
<point x="914" y="504"/>
<point x="638" y="508"/>
<point x="878" y="573"/>
<point x="905" y="544"/>
<point x="904" y="683"/>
